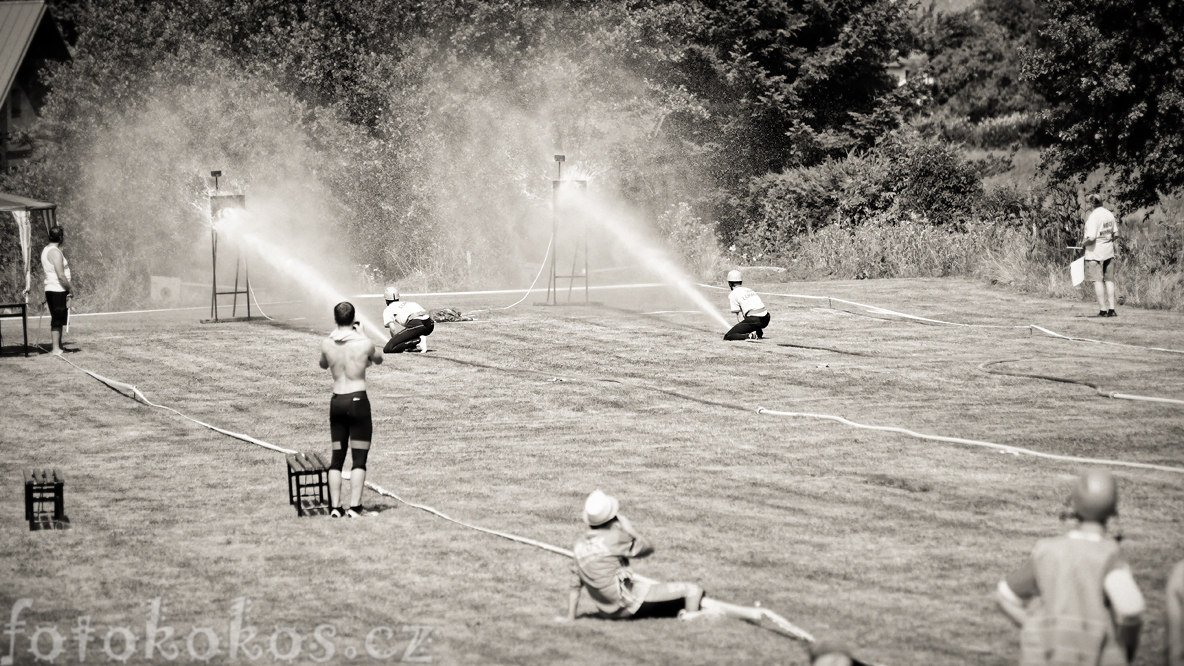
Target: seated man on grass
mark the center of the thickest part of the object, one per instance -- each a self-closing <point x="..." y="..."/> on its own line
<point x="601" y="566"/>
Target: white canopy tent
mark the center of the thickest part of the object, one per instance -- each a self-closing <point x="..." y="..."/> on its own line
<point x="23" y="210"/>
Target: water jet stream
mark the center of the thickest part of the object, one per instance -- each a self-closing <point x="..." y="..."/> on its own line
<point x="232" y="223"/>
<point x="642" y="248"/>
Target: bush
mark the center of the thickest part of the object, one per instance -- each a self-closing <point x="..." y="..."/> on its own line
<point x="885" y="248"/>
<point x="692" y="242"/>
<point x="908" y="177"/>
<point x="1014" y="129"/>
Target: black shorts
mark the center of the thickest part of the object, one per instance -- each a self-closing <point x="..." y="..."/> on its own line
<point x="58" y="311"/>
<point x="349" y="418"/>
<point x="649" y="609"/>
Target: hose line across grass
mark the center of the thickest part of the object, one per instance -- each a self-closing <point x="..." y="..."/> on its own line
<point x="986" y="367"/>
<point x="783" y="626"/>
<point x="1006" y="448"/>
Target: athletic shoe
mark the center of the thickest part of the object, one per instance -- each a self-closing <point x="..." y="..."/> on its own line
<point x="336" y="512"/>
<point x="1111" y="313"/>
<point x="1102" y="313"/>
<point x="359" y="512"/>
<point x="752" y="336"/>
<point x="760" y="334"/>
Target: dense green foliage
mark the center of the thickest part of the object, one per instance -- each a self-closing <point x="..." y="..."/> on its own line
<point x="978" y="94"/>
<point x="906" y="177"/>
<point x="422" y="131"/>
<point x="1113" y="74"/>
<point x="413" y="140"/>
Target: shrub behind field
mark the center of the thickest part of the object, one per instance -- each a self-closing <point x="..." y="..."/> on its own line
<point x="908" y="177"/>
<point x="909" y="248"/>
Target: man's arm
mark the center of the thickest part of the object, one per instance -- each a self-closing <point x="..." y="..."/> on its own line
<point x="324" y="358"/>
<point x="1175" y="612"/>
<point x="1011" y="605"/>
<point x="1015" y="590"/>
<point x="55" y="258"/>
<point x="641" y="545"/>
<point x="1126" y="602"/>
<point x="375" y="355"/>
<point x="573" y="601"/>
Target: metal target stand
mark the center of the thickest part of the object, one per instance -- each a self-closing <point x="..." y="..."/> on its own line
<point x="581" y="243"/>
<point x="219" y="203"/>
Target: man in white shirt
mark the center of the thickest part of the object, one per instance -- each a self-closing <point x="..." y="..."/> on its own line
<point x="748" y="308"/>
<point x="407" y="322"/>
<point x="1101" y="229"/>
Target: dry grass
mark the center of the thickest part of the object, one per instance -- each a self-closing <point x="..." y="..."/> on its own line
<point x="890" y="543"/>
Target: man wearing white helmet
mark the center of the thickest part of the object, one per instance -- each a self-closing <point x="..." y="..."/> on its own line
<point x="1075" y="621"/>
<point x="407" y="322"/>
<point x="748" y="308"/>
<point x="601" y="566"/>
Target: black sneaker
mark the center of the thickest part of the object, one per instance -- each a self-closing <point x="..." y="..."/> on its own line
<point x="1111" y="313"/>
<point x="337" y="512"/>
<point x="1102" y="313"/>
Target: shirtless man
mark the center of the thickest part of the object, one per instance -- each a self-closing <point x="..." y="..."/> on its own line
<point x="347" y="353"/>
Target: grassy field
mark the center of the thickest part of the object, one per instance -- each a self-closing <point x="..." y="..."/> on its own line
<point x="890" y="543"/>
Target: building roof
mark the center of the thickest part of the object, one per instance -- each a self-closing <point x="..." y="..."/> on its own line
<point x="11" y="202"/>
<point x="20" y="23"/>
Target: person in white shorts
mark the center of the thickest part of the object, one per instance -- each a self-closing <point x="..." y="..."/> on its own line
<point x="1101" y="230"/>
<point x="748" y="308"/>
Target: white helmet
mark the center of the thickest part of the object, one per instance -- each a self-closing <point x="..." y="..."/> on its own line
<point x="734" y="276"/>
<point x="599" y="508"/>
<point x="391" y="293"/>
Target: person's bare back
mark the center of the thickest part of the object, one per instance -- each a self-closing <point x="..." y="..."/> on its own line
<point x="347" y="353"/>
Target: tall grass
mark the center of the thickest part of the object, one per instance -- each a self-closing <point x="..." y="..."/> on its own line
<point x="910" y="248"/>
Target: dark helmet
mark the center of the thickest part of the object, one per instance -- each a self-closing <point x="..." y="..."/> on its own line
<point x="1095" y="496"/>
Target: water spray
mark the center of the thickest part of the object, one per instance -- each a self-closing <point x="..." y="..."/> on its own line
<point x="235" y="225"/>
<point x="591" y="209"/>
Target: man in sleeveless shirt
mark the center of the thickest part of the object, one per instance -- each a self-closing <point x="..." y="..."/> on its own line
<point x="347" y="353"/>
<point x="1089" y="608"/>
<point x="57" y="286"/>
<point x="748" y="308"/>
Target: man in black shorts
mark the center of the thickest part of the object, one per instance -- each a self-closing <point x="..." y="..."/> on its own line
<point x="57" y="286"/>
<point x="347" y="353"/>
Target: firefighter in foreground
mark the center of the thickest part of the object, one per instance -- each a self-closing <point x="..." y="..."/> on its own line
<point x="1075" y="598"/>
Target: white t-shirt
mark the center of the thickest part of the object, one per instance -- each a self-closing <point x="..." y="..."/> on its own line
<point x="743" y="299"/>
<point x="51" y="275"/>
<point x="1101" y="226"/>
<point x="401" y="312"/>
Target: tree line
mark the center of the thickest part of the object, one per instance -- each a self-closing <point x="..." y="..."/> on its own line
<point x="412" y="120"/>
